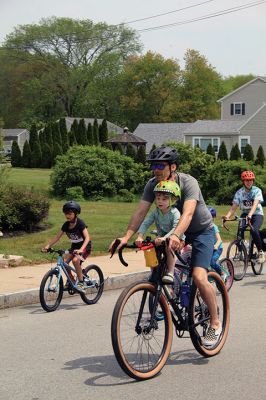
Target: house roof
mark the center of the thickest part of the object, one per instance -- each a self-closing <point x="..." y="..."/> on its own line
<point x="110" y="126"/>
<point x="126" y="138"/>
<point x="11" y="134"/>
<point x="241" y="87"/>
<point x="214" y="126"/>
<point x="158" y="133"/>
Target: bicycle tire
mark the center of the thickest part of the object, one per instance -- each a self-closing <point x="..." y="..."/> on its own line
<point x="54" y="291"/>
<point x="134" y="347"/>
<point x="95" y="278"/>
<point x="198" y="316"/>
<point x="237" y="253"/>
<point x="228" y="267"/>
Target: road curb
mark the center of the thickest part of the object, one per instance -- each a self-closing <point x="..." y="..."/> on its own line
<point x="31" y="296"/>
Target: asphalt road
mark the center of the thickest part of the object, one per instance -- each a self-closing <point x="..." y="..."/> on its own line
<point x="68" y="354"/>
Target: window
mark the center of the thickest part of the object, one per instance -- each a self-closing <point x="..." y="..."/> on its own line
<point x="238" y="109"/>
<point x="243" y="141"/>
<point x="203" y="143"/>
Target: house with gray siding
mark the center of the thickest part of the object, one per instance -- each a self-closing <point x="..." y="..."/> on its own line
<point x="159" y="133"/>
<point x="243" y="120"/>
<point x="11" y="135"/>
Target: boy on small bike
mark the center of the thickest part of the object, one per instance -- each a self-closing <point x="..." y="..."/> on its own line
<point x="249" y="199"/>
<point x="166" y="218"/>
<point x="76" y="230"/>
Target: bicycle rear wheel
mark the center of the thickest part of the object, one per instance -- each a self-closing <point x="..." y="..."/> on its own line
<point x="256" y="266"/>
<point x="199" y="316"/>
<point x="228" y="268"/>
<point x="238" y="255"/>
<point x="93" y="277"/>
<point x="140" y="348"/>
<point x="51" y="290"/>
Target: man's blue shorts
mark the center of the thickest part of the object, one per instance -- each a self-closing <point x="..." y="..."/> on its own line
<point x="202" y="247"/>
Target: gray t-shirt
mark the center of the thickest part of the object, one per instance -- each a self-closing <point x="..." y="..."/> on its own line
<point x="190" y="190"/>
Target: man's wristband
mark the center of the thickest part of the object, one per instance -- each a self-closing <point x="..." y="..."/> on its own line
<point x="175" y="234"/>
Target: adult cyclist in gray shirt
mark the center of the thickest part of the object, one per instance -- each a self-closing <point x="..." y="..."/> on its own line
<point x="195" y="223"/>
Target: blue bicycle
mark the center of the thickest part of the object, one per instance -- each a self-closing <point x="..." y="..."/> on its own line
<point x="52" y="287"/>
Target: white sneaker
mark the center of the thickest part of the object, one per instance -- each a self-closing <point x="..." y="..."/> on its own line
<point x="261" y="257"/>
<point x="212" y="336"/>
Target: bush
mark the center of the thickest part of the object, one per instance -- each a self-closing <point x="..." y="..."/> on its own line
<point x="99" y="171"/>
<point x="21" y="210"/>
<point x="75" y="193"/>
<point x="126" y="196"/>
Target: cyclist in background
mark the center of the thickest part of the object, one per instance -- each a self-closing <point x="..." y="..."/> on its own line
<point x="249" y="199"/>
<point x="195" y="222"/>
<point x="166" y="218"/>
<point x="77" y="232"/>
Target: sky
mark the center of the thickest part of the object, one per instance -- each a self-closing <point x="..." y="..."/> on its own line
<point x="233" y="43"/>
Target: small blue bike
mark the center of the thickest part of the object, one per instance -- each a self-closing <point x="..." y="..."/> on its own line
<point x="52" y="287"/>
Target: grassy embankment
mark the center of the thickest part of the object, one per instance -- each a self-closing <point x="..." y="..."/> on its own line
<point x="105" y="219"/>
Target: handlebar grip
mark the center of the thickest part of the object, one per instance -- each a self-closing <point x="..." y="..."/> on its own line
<point x="121" y="257"/>
<point x="114" y="247"/>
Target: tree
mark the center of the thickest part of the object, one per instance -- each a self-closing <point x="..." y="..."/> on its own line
<point x="95" y="131"/>
<point x="141" y="155"/>
<point x="33" y="135"/>
<point x="103" y="132"/>
<point x="67" y="50"/>
<point x="47" y="156"/>
<point x="16" y="158"/>
<point x="26" y="155"/>
<point x="260" y="157"/>
<point x="89" y="134"/>
<point x="57" y="151"/>
<point x="151" y="89"/>
<point x="64" y="134"/>
<point x="201" y="87"/>
<point x="81" y="133"/>
<point x="56" y="134"/>
<point x="248" y="154"/>
<point x="222" y="153"/>
<point x="130" y="151"/>
<point x="36" y="155"/>
<point x="119" y="148"/>
<point x="235" y="153"/>
<point x="210" y="150"/>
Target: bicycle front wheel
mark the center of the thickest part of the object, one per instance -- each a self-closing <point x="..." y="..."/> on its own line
<point x="228" y="268"/>
<point x="238" y="255"/>
<point x="199" y="316"/>
<point x="141" y="346"/>
<point x="93" y="277"/>
<point x="51" y="290"/>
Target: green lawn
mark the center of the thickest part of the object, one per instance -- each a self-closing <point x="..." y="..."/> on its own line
<point x="31" y="179"/>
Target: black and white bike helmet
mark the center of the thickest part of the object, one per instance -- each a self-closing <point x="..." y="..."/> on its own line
<point x="164" y="153"/>
<point x="72" y="206"/>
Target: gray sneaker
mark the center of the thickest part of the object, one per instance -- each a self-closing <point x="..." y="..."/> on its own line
<point x="81" y="286"/>
<point x="212" y="336"/>
<point x="261" y="257"/>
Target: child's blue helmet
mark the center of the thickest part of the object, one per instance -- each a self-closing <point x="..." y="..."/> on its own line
<point x="212" y="211"/>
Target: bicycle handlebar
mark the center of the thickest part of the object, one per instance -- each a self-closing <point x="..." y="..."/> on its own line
<point x="236" y="218"/>
<point x="146" y="242"/>
<point x="61" y="252"/>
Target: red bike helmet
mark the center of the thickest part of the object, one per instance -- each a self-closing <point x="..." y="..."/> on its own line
<point x="247" y="175"/>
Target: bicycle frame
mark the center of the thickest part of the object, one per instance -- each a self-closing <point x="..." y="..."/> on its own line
<point x="61" y="265"/>
<point x="240" y="236"/>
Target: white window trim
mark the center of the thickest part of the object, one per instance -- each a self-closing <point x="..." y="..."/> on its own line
<point x="206" y="137"/>
<point x="238" y="102"/>
<point x="239" y="141"/>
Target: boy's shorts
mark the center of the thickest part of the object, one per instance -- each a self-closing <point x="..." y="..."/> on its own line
<point x="202" y="247"/>
<point x="86" y="252"/>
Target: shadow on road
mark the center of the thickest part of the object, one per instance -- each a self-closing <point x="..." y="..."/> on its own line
<point x="37" y="308"/>
<point x="106" y="367"/>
